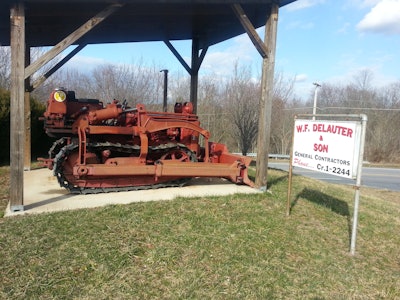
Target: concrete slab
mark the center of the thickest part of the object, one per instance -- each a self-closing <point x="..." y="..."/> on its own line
<point x="42" y="193"/>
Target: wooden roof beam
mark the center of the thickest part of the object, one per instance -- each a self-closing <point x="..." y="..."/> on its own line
<point x="178" y="56"/>
<point x="251" y="32"/>
<point x="69" y="40"/>
<point x="62" y="62"/>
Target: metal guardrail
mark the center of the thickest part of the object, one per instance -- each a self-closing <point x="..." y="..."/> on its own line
<point x="279" y="156"/>
<point x="276" y="156"/>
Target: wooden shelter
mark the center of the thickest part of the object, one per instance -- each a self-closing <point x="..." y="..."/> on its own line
<point x="62" y="23"/>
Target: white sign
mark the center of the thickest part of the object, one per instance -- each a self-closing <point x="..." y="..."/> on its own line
<point x="327" y="146"/>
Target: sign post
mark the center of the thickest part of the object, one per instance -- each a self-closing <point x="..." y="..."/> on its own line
<point x="333" y="147"/>
<point x="358" y="185"/>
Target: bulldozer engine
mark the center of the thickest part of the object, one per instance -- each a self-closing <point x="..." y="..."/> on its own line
<point x="114" y="147"/>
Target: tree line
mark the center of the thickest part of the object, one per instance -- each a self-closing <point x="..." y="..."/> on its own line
<point x="227" y="106"/>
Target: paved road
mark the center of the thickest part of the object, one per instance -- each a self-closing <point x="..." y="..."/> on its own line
<point x="380" y="178"/>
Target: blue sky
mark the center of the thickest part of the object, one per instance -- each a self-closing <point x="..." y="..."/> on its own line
<point x="326" y="41"/>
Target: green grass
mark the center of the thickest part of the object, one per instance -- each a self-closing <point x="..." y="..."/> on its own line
<point x="234" y="247"/>
<point x="4" y="189"/>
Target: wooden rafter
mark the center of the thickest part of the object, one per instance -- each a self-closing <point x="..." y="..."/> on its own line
<point x="62" y="62"/>
<point x="251" y="32"/>
<point x="69" y="40"/>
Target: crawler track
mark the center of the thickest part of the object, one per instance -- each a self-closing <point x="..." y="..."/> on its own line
<point x="125" y="150"/>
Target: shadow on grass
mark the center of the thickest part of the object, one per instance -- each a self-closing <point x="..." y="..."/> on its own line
<point x="272" y="181"/>
<point x="336" y="205"/>
<point x="275" y="180"/>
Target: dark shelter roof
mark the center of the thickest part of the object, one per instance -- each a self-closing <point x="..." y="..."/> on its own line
<point x="49" y="21"/>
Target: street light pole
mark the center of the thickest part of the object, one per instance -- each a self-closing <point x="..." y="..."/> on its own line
<point x="317" y="85"/>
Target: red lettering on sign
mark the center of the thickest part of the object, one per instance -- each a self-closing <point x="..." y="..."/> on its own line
<point x="320" y="148"/>
<point x="334" y="129"/>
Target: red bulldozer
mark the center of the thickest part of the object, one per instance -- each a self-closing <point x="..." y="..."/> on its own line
<point x="119" y="148"/>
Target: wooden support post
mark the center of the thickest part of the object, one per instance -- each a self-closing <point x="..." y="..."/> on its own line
<point x="27" y="110"/>
<point x="17" y="19"/>
<point x="267" y="52"/>
<point x="194" y="75"/>
<point x="267" y="84"/>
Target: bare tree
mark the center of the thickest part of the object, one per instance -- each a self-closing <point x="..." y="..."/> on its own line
<point x="5" y="67"/>
<point x="210" y="109"/>
<point x="5" y="64"/>
<point x="135" y="83"/>
<point x="282" y="119"/>
<point x="389" y="96"/>
<point x="383" y="139"/>
<point x="363" y="79"/>
<point x="70" y="79"/>
<point x="242" y="95"/>
<point x="179" y="87"/>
